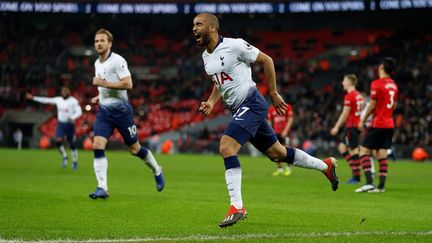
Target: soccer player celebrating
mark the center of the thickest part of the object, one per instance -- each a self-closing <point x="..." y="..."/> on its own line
<point x="113" y="80"/>
<point x="227" y="61"/>
<point x="353" y="106"/>
<point x="281" y="124"/>
<point x="383" y="98"/>
<point x="68" y="110"/>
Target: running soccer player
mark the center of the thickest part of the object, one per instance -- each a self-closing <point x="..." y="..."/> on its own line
<point x="353" y="106"/>
<point x="68" y="110"/>
<point x="383" y="99"/>
<point x="227" y="61"/>
<point x="113" y="79"/>
<point x="281" y="124"/>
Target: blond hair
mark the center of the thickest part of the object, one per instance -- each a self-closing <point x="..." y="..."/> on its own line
<point x="352" y="78"/>
<point x="107" y="33"/>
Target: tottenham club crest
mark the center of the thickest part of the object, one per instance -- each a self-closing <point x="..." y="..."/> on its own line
<point x="222" y="62"/>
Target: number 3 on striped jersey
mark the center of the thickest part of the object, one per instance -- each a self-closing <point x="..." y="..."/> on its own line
<point x="390" y="105"/>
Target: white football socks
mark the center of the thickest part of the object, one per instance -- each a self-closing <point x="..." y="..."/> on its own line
<point x="63" y="151"/>
<point x="304" y="160"/>
<point x="152" y="163"/>
<point x="233" y="178"/>
<point x="74" y="153"/>
<point x="100" y="166"/>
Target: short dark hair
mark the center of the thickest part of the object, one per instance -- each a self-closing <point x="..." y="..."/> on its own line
<point x="389" y="65"/>
<point x="212" y="19"/>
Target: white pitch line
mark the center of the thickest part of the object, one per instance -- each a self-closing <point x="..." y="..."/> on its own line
<point x="200" y="237"/>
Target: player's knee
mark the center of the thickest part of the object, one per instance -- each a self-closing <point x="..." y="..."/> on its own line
<point x="134" y="148"/>
<point x="59" y="143"/>
<point x="226" y="150"/>
<point x="72" y="145"/>
<point x="342" y="148"/>
<point x="98" y="145"/>
<point x="382" y="154"/>
<point x="354" y="151"/>
<point x="364" y="151"/>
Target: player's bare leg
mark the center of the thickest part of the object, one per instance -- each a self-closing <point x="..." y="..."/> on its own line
<point x="229" y="148"/>
<point x="279" y="153"/>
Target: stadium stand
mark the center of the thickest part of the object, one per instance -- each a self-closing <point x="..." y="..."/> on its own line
<point x="169" y="81"/>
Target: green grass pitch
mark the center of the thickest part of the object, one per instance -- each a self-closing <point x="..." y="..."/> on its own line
<point x="41" y="201"/>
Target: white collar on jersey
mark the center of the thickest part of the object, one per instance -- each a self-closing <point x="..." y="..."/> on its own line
<point x="109" y="55"/>
<point x="219" y="41"/>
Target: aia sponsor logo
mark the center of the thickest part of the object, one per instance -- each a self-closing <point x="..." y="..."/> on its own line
<point x="219" y="79"/>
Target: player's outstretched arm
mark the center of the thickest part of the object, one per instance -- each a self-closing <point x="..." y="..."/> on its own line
<point x="43" y="100"/>
<point x="124" y="83"/>
<point x="270" y="74"/>
<point x="206" y="107"/>
<point x="29" y="96"/>
<point x="341" y="120"/>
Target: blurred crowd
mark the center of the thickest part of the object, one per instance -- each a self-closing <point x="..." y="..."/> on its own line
<point x="169" y="81"/>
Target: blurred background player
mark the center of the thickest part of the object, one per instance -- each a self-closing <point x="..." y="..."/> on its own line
<point x="227" y="61"/>
<point x="383" y="100"/>
<point x="281" y="124"/>
<point x="113" y="79"/>
<point x="68" y="110"/>
<point x="353" y="106"/>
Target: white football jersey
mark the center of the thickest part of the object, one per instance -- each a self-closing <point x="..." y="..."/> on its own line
<point x="67" y="109"/>
<point x="112" y="70"/>
<point x="229" y="67"/>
